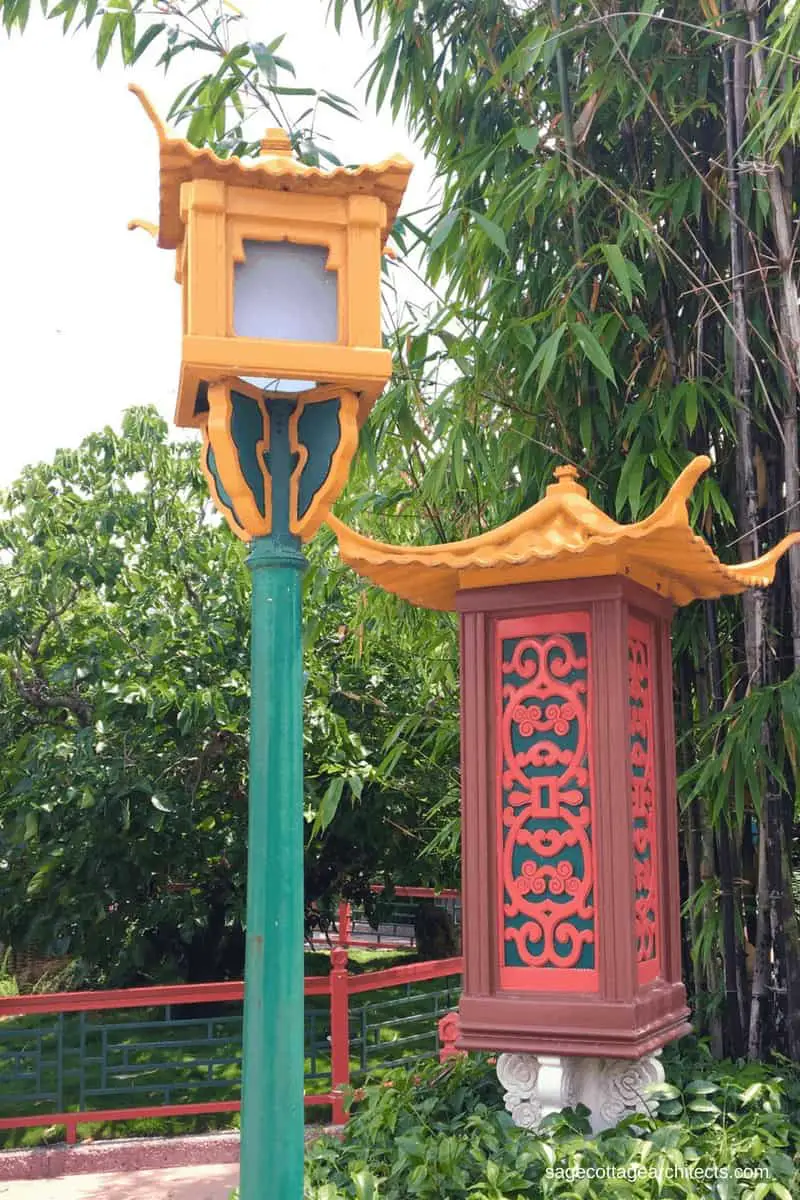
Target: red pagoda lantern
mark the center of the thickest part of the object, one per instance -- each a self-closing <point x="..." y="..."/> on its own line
<point x="570" y="883"/>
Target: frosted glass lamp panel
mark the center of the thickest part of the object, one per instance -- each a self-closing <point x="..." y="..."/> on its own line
<point x="283" y="292"/>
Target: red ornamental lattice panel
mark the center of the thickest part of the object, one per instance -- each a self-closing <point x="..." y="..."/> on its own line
<point x="546" y="869"/>
<point x="643" y="798"/>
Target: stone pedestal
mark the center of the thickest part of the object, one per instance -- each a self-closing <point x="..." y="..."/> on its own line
<point x="612" y="1088"/>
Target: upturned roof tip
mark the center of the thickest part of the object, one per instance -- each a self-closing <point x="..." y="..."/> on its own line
<point x="565" y="536"/>
<point x="277" y="170"/>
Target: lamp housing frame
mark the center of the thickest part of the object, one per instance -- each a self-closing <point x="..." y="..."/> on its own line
<point x="218" y="219"/>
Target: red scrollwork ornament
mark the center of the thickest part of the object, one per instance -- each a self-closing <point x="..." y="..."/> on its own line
<point x="643" y="800"/>
<point x="546" y="855"/>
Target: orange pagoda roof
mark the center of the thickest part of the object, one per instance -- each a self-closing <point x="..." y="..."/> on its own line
<point x="564" y="536"/>
<point x="277" y="170"/>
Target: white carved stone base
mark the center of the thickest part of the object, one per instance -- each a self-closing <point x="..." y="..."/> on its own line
<point x="612" y="1088"/>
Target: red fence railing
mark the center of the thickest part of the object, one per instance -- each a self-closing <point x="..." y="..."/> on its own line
<point x="339" y="985"/>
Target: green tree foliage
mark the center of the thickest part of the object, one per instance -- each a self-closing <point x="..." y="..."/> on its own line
<point x="124" y="637"/>
<point x="124" y="683"/>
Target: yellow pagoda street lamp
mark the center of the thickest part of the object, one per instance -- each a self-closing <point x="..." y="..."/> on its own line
<point x="282" y="359"/>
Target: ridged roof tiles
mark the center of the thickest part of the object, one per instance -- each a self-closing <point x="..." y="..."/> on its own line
<point x="276" y="170"/>
<point x="565" y="536"/>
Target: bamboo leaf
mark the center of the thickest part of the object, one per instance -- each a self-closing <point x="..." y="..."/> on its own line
<point x="108" y="27"/>
<point x="147" y="37"/>
<point x="492" y="231"/>
<point x="342" y="106"/>
<point x="619" y="268"/>
<point x="442" y="229"/>
<point x="283" y="64"/>
<point x="127" y="33"/>
<point x="593" y="350"/>
<point x="630" y="481"/>
<point x="546" y="357"/>
<point x="265" y="62"/>
<point x="528" y="139"/>
<point x="641" y="23"/>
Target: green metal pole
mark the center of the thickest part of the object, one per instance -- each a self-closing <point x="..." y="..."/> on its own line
<point x="273" y="1058"/>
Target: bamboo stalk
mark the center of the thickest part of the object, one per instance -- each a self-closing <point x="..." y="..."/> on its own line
<point x="759" y="992"/>
<point x="691" y="838"/>
<point x="791" y="474"/>
<point x="783" y="919"/>
<point x="568" y="128"/>
<point x="791" y="931"/>
<point x="733" y="1002"/>
<point x="708" y="871"/>
<point x="742" y="982"/>
<point x="788" y="339"/>
<point x="742" y="383"/>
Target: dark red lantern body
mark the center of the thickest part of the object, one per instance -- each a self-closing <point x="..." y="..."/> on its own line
<point x="570" y="870"/>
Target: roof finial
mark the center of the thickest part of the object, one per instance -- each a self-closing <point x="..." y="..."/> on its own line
<point x="276" y="144"/>
<point x="567" y="477"/>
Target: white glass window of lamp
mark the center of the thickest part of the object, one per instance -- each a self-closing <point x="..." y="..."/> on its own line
<point x="283" y="292"/>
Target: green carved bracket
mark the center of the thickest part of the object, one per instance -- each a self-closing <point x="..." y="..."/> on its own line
<point x="276" y="463"/>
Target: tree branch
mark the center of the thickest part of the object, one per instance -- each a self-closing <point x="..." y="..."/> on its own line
<point x="53" y="613"/>
<point x="36" y="692"/>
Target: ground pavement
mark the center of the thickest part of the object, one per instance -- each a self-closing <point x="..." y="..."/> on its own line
<point x="208" y="1182"/>
<point x="193" y="1167"/>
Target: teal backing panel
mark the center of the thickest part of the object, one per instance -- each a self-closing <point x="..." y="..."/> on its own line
<point x="319" y="430"/>
<point x="247" y="430"/>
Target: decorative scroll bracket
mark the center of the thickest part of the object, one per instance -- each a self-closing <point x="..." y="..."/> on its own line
<point x="536" y="1085"/>
<point x="276" y="462"/>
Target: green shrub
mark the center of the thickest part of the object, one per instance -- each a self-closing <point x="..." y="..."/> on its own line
<point x="8" y="982"/>
<point x="441" y="1133"/>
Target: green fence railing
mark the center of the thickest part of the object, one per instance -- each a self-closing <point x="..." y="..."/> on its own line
<point x="77" y="1058"/>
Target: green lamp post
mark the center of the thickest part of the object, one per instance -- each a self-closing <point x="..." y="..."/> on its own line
<point x="281" y="362"/>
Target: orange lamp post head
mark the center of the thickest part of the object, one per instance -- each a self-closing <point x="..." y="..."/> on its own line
<point x="279" y="265"/>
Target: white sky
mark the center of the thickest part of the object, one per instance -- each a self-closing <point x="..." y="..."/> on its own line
<point x="89" y="313"/>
